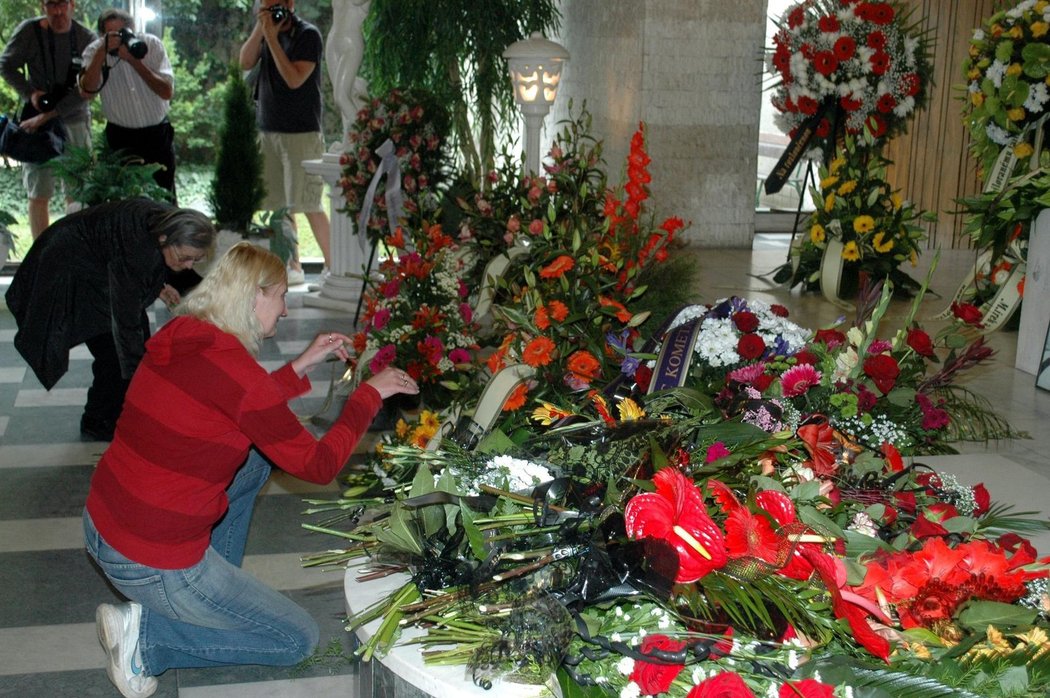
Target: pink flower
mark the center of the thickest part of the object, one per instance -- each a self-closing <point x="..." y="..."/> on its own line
<point x="382" y="359"/>
<point x="880" y="346"/>
<point x="536" y="227"/>
<point x="380" y="319"/>
<point x="513" y="224"/>
<point x="747" y="375"/>
<point x="466" y="312"/>
<point x="797" y="380"/>
<point x="390" y="288"/>
<point x="463" y="290"/>
<point x="459" y="356"/>
<point x="715" y="451"/>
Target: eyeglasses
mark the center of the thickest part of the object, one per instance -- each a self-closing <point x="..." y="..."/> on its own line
<point x="193" y="259"/>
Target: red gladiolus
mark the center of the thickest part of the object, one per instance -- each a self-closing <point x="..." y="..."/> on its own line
<point x="725" y="685"/>
<point x="920" y="342"/>
<point x="655" y="678"/>
<point x="676" y="513"/>
<point x="883" y="371"/>
<point x="750" y="347"/>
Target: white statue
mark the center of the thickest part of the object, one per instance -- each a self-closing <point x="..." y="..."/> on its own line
<point x="346" y="47"/>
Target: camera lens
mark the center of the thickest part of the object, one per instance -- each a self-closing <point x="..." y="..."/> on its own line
<point x="279" y="13"/>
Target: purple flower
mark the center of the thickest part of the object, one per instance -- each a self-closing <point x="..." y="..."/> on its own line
<point x="715" y="451"/>
<point x="879" y="346"/>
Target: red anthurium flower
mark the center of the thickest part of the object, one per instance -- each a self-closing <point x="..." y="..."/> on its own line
<point x="724" y="685"/>
<point x="676" y="514"/>
<point x="655" y="678"/>
<point x="806" y="688"/>
<point x="819" y="440"/>
<point x="847" y="604"/>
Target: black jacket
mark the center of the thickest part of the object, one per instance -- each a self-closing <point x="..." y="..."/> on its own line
<point x="92" y="272"/>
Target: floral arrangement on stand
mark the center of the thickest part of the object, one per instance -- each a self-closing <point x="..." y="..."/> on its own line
<point x="417" y="125"/>
<point x="857" y="207"/>
<point x="564" y="307"/>
<point x="417" y="316"/>
<point x="856" y="64"/>
<point x="851" y="74"/>
<point x="1006" y="82"/>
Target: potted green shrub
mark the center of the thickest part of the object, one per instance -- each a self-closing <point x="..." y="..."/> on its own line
<point x="96" y="176"/>
<point x="237" y="188"/>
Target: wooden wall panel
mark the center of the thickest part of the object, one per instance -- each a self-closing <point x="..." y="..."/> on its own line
<point x="932" y="165"/>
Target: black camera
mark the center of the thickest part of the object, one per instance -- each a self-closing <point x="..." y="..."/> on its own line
<point x="278" y="13"/>
<point x="136" y="46"/>
<point x="52" y="97"/>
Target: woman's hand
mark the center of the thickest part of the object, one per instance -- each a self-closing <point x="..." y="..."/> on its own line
<point x="319" y="349"/>
<point x="391" y="381"/>
<point x="170" y="296"/>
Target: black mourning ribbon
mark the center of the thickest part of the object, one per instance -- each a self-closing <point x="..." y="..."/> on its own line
<point x="795" y="149"/>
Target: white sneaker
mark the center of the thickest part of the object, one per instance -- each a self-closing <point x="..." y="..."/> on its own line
<point x="296" y="277"/>
<point x="118" y="631"/>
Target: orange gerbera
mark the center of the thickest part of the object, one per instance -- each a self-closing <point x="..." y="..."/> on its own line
<point x="538" y="352"/>
<point x="558" y="310"/>
<point x="517" y="398"/>
<point x="584" y="366"/>
<point x="542" y="318"/>
<point x="622" y="313"/>
<point x="558" y="267"/>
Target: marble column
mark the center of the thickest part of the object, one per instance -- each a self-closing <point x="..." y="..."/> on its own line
<point x="341" y="287"/>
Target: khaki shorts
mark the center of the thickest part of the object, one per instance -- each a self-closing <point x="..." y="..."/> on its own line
<point x="287" y="183"/>
<point x="37" y="179"/>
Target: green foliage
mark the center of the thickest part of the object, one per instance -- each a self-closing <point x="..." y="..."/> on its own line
<point x="95" y="177"/>
<point x="453" y="48"/>
<point x="195" y="108"/>
<point x="237" y="188"/>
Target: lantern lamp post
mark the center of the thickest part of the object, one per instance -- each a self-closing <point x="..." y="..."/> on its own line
<point x="535" y="70"/>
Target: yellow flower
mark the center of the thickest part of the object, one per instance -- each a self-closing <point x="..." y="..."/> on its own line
<point x="1015" y="114"/>
<point x="1040" y="6"/>
<point x="851" y="253"/>
<point x="878" y="243"/>
<point x="897" y="200"/>
<point x="430" y="421"/>
<point x="421" y="436"/>
<point x="1014" y="69"/>
<point x="401" y="429"/>
<point x="829" y="203"/>
<point x="1023" y="150"/>
<point x="914" y="258"/>
<point x="547" y="414"/>
<point x="828" y="182"/>
<point x="816" y="234"/>
<point x="1040" y="29"/>
<point x="973" y="74"/>
<point x="836" y="165"/>
<point x="629" y="410"/>
<point x="1015" y="32"/>
<point x="863" y="224"/>
<point x="975" y="51"/>
<point x="847" y="187"/>
<point x="977" y="98"/>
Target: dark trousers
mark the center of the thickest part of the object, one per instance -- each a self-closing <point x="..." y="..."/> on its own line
<point x="154" y="144"/>
<point x="105" y="397"/>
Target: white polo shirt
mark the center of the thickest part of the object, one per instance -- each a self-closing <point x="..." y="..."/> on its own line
<point x="126" y="98"/>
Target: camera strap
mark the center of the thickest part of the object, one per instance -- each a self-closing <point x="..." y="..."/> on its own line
<point x="51" y="66"/>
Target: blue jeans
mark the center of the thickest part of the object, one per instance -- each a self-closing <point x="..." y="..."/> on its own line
<point x="213" y="613"/>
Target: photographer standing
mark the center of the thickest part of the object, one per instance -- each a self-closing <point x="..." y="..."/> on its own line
<point x="288" y="52"/>
<point x="135" y="80"/>
<point x="41" y="63"/>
